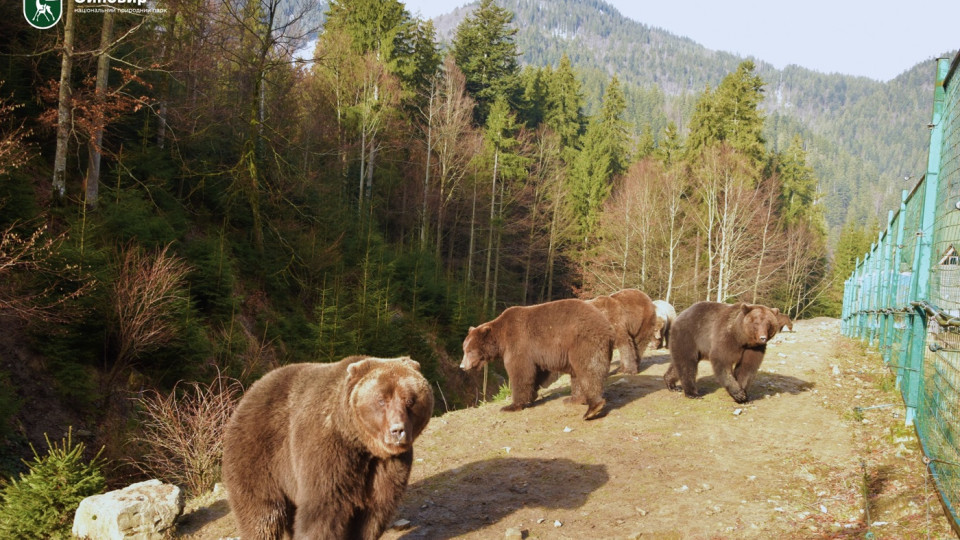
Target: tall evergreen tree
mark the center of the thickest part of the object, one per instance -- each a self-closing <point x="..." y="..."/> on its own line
<point x="373" y="25"/>
<point x="564" y="107"/>
<point x="604" y="155"/>
<point x="731" y="114"/>
<point x="485" y="51"/>
<point x="798" y="195"/>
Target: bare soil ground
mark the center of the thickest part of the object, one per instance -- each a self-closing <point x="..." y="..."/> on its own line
<point x="807" y="458"/>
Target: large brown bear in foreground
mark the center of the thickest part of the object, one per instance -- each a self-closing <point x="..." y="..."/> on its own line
<point x="324" y="450"/>
<point x="564" y="336"/>
<point x="634" y="320"/>
<point x="734" y="338"/>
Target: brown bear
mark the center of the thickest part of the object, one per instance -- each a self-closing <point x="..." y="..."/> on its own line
<point x="734" y="338"/>
<point x="564" y="336"/>
<point x="634" y="320"/>
<point x="666" y="314"/>
<point x="324" y="450"/>
<point x="785" y="322"/>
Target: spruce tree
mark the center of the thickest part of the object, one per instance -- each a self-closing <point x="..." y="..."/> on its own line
<point x="798" y="187"/>
<point x="731" y="114"/>
<point x="564" y="107"/>
<point x="485" y="51"/>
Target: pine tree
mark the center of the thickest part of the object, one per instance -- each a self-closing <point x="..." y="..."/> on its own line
<point x="485" y="51"/>
<point x="731" y="114"/>
<point x="615" y="131"/>
<point x="604" y="155"/>
<point x="564" y="107"/>
<point x="798" y="195"/>
<point x="373" y="25"/>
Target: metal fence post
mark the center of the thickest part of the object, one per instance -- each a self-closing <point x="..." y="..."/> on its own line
<point x="895" y="276"/>
<point x="885" y="279"/>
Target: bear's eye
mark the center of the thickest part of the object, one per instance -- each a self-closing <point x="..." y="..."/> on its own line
<point x="381" y="401"/>
<point x="409" y="402"/>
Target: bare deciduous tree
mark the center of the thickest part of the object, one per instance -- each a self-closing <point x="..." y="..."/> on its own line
<point x="26" y="257"/>
<point x="146" y="295"/>
<point x="182" y="432"/>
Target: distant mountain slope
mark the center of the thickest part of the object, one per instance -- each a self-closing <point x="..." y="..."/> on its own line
<point x="863" y="136"/>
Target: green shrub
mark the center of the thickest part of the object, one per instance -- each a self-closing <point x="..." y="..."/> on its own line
<point x="41" y="503"/>
<point x="503" y="393"/>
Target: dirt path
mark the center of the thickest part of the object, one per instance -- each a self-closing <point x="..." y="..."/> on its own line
<point x="793" y="463"/>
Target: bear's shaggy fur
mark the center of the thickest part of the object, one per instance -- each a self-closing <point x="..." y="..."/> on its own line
<point x="324" y="450"/>
<point x="785" y="322"/>
<point x="734" y="338"/>
<point x="564" y="336"/>
<point x="666" y="314"/>
<point x="634" y="320"/>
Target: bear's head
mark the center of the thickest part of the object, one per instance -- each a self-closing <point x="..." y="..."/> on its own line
<point x="479" y="347"/>
<point x="758" y="324"/>
<point x="391" y="403"/>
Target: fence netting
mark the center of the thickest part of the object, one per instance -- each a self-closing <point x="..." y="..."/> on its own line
<point x="904" y="295"/>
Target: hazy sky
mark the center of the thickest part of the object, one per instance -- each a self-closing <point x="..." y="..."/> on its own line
<point x="878" y="39"/>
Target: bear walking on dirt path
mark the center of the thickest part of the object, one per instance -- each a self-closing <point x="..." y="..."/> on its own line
<point x="564" y="336"/>
<point x="666" y="314"/>
<point x="734" y="338"/>
<point x="785" y="321"/>
<point x="634" y="320"/>
<point x="324" y="450"/>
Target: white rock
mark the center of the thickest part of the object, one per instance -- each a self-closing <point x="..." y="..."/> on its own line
<point x="557" y="523"/>
<point x="142" y="511"/>
<point x="737" y="412"/>
<point x="567" y="429"/>
<point x="400" y="524"/>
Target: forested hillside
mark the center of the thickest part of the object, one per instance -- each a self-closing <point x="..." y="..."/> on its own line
<point x="863" y="136"/>
<point x="182" y="200"/>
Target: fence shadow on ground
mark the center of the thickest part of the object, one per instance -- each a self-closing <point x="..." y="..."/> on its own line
<point x="467" y="498"/>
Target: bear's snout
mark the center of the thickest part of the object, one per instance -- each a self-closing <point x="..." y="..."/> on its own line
<point x="762" y="339"/>
<point x="398" y="432"/>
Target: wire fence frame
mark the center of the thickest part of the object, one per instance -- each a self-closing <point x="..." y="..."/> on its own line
<point x="903" y="296"/>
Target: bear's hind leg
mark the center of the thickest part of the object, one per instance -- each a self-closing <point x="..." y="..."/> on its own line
<point x="629" y="360"/>
<point x="670" y="378"/>
<point x="591" y="377"/>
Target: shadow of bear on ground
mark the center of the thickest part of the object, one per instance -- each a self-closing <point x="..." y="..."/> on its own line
<point x="766" y="384"/>
<point x="467" y="498"/>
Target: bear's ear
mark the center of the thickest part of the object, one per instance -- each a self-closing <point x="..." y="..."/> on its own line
<point x="745" y="308"/>
<point x="358" y="369"/>
<point x="471" y="329"/>
<point x="411" y="362"/>
<point x="776" y="311"/>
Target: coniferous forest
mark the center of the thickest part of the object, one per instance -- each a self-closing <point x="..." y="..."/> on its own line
<point x="194" y="196"/>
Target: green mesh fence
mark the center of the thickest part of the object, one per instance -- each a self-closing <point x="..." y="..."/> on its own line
<point x="904" y="295"/>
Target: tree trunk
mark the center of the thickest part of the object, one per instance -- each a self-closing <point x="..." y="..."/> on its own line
<point x="424" y="222"/>
<point x="64" y="120"/>
<point x="493" y="208"/>
<point x="473" y="229"/>
<point x="93" y="147"/>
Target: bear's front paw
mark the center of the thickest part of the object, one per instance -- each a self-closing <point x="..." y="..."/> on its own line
<point x="740" y="397"/>
<point x="512" y="407"/>
<point x="574" y="400"/>
<point x="693" y="395"/>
